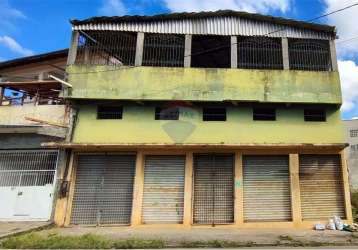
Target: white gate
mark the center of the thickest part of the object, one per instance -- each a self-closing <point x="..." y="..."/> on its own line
<point x="27" y="184"/>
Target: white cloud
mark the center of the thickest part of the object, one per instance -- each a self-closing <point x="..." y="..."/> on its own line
<point x="261" y="6"/>
<point x="346" y="23"/>
<point x="14" y="46"/>
<point x="112" y="8"/>
<point x="9" y="14"/>
<point x="349" y="80"/>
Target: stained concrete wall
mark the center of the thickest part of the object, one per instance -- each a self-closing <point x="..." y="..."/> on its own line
<point x="24" y="141"/>
<point x="352" y="155"/>
<point x="139" y="126"/>
<point x="195" y="84"/>
<point x="15" y="115"/>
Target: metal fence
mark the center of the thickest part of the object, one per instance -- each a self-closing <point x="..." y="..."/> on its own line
<point x="106" y="48"/>
<point x="163" y="50"/>
<point x="259" y="53"/>
<point x="167" y="50"/>
<point x="27" y="167"/>
<point x="309" y="54"/>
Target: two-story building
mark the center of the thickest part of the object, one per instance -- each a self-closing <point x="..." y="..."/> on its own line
<point x="31" y="113"/>
<point x="210" y="118"/>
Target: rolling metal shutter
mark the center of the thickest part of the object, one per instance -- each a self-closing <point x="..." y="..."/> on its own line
<point x="266" y="187"/>
<point x="213" y="189"/>
<point x="321" y="186"/>
<point x="103" y="189"/>
<point x="163" y="195"/>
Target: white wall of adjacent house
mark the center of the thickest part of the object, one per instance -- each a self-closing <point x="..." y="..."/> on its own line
<point x="26" y="203"/>
<point x="352" y="151"/>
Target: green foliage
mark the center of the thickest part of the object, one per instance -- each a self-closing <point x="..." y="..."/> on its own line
<point x="215" y="244"/>
<point x="138" y="244"/>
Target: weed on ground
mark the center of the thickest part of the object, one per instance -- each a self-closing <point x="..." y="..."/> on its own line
<point x="215" y="244"/>
<point x="87" y="241"/>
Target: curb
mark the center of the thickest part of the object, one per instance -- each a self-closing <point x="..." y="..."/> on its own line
<point x="27" y="230"/>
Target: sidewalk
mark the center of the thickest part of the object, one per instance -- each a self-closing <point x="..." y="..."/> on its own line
<point x="197" y="236"/>
<point x="10" y="228"/>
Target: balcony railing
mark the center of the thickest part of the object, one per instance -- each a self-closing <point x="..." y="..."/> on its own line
<point x="118" y="48"/>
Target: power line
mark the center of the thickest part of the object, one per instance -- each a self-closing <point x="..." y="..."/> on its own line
<point x="347" y="40"/>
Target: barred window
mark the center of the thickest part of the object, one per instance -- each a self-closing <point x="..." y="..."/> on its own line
<point x="210" y="51"/>
<point x="264" y="114"/>
<point x="309" y="54"/>
<point x="109" y="112"/>
<point x="354" y="133"/>
<point x="164" y="50"/>
<point x="106" y="48"/>
<point x="259" y="53"/>
<point x="214" y="114"/>
<point x="315" y="115"/>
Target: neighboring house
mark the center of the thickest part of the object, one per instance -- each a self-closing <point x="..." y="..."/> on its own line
<point x="351" y="127"/>
<point x="204" y="118"/>
<point x="31" y="113"/>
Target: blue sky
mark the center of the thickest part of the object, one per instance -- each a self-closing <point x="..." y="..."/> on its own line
<point x="35" y="26"/>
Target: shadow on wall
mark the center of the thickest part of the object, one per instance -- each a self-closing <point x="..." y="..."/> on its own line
<point x="354" y="201"/>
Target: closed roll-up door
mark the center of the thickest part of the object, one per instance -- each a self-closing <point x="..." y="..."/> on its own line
<point x="163" y="195"/>
<point x="213" y="189"/>
<point x="321" y="187"/>
<point x="103" y="189"/>
<point x="266" y="188"/>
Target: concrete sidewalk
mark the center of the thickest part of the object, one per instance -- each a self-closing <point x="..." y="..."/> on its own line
<point x="11" y="228"/>
<point x="175" y="236"/>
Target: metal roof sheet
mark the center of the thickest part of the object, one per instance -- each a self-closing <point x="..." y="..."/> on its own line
<point x="223" y="22"/>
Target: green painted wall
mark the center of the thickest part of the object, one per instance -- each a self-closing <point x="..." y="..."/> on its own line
<point x="139" y="126"/>
<point x="194" y="84"/>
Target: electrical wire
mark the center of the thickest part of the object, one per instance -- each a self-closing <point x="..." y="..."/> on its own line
<point x="347" y="40"/>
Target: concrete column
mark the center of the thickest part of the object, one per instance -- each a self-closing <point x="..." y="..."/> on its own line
<point x="59" y="203"/>
<point x="332" y="48"/>
<point x="285" y="54"/>
<point x="187" y="51"/>
<point x="139" y="49"/>
<point x="239" y="192"/>
<point x="63" y="208"/>
<point x="347" y="194"/>
<point x="86" y="57"/>
<point x="295" y="189"/>
<point x="188" y="190"/>
<point x="234" y="52"/>
<point x="72" y="52"/>
<point x="138" y="190"/>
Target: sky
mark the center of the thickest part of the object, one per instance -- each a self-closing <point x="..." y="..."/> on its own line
<point x="29" y="27"/>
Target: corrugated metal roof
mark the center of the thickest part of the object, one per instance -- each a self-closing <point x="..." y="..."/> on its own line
<point x="224" y="22"/>
<point x="33" y="59"/>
